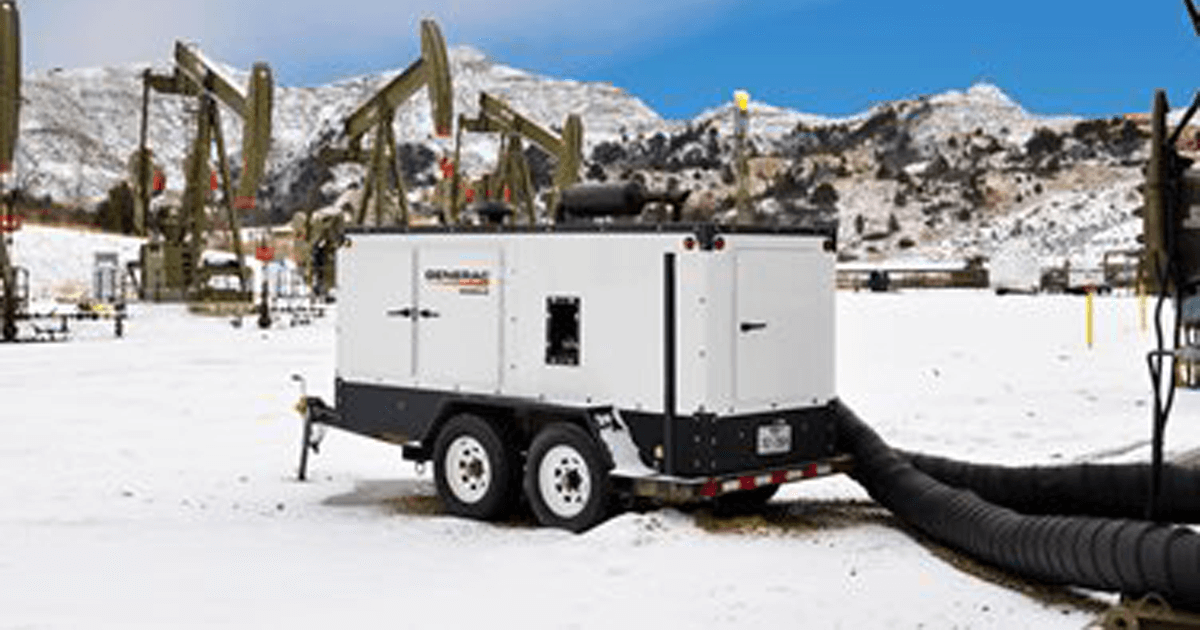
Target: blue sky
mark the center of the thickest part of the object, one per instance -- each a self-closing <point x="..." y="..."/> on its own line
<point x="830" y="57"/>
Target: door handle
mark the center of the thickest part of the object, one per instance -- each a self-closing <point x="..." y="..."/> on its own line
<point x="427" y="313"/>
<point x="402" y="312"/>
<point x="749" y="326"/>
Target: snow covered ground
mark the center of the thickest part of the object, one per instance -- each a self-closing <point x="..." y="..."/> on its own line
<point x="61" y="261"/>
<point x="149" y="484"/>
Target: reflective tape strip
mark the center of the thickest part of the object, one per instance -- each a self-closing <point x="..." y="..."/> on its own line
<point x="750" y="482"/>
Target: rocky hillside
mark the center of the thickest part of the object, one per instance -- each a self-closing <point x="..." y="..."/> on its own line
<point x="939" y="177"/>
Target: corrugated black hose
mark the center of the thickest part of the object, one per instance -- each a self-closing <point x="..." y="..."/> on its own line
<point x="1104" y="490"/>
<point x="1130" y="556"/>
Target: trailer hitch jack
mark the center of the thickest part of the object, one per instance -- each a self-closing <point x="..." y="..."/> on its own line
<point x="310" y="439"/>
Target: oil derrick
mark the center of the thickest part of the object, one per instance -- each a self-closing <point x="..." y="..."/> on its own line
<point x="10" y="104"/>
<point x="384" y="175"/>
<point x="511" y="180"/>
<point x="384" y="180"/>
<point x="172" y="266"/>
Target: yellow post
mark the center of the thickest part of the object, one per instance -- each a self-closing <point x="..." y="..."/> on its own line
<point x="1141" y="289"/>
<point x="742" y="98"/>
<point x="1088" y="326"/>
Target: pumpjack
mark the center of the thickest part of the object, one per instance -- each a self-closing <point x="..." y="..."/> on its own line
<point x="10" y="103"/>
<point x="567" y="197"/>
<point x="172" y="262"/>
<point x="512" y="179"/>
<point x="320" y="235"/>
<point x="384" y="181"/>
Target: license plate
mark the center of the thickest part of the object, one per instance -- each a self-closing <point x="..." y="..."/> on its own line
<point x="774" y="439"/>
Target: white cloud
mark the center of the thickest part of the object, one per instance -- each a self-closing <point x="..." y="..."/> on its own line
<point x="76" y="33"/>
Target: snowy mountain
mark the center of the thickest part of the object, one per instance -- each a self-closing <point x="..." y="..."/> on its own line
<point x="79" y="127"/>
<point x="944" y="176"/>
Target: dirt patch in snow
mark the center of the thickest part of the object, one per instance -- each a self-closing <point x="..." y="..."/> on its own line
<point x="795" y="517"/>
<point x="799" y="518"/>
<point x="775" y="519"/>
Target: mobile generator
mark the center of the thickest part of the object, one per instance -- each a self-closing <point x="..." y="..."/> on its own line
<point x="582" y="362"/>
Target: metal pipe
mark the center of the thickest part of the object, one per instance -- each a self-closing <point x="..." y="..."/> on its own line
<point x="144" y="162"/>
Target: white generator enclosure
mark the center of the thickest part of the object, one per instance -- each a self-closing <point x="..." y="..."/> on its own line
<point x="715" y="348"/>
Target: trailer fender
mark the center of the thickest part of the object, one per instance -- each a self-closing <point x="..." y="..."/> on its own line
<point x="520" y="420"/>
<point x="495" y="414"/>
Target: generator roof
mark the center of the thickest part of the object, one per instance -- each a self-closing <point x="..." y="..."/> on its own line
<point x="607" y="228"/>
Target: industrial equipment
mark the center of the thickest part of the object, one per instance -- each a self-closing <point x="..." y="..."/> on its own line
<point x="515" y="358"/>
<point x="10" y="105"/>
<point x="14" y="280"/>
<point x="469" y="345"/>
<point x="1171" y="263"/>
<point x="172" y="265"/>
<point x="620" y="199"/>
<point x="384" y="180"/>
<point x="318" y="235"/>
<point x="511" y="179"/>
<point x="285" y="292"/>
<point x="1122" y="268"/>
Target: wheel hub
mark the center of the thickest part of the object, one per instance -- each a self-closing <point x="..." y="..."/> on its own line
<point x="564" y="481"/>
<point x="467" y="470"/>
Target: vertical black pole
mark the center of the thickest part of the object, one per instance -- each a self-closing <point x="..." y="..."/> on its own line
<point x="668" y="363"/>
<point x="264" y="306"/>
<point x="8" y="305"/>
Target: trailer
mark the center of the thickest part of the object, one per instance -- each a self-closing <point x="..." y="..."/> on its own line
<point x="577" y="364"/>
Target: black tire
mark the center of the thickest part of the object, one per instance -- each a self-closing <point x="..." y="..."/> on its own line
<point x="744" y="501"/>
<point x="484" y="482"/>
<point x="572" y="493"/>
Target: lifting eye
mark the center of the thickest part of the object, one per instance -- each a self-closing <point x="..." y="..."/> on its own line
<point x="719" y="243"/>
<point x="689" y="243"/>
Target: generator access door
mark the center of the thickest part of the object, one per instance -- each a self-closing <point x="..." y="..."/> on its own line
<point x="783" y="327"/>
<point x="374" y="330"/>
<point x="458" y="317"/>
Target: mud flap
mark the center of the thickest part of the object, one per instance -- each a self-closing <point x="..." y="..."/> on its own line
<point x="618" y="443"/>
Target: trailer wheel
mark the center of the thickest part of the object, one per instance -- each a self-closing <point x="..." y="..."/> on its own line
<point x="474" y="469"/>
<point x="566" y="481"/>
